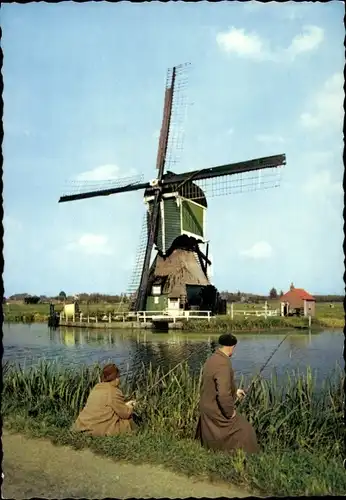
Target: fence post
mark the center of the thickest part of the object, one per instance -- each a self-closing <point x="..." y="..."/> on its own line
<point x="208" y="316"/>
<point x="110" y="318"/>
<point x="265" y="309"/>
<point x="231" y="310"/>
<point x="88" y="318"/>
<point x="95" y="317"/>
<point x="309" y="320"/>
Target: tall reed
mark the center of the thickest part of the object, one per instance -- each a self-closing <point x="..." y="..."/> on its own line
<point x="243" y="323"/>
<point x="288" y="415"/>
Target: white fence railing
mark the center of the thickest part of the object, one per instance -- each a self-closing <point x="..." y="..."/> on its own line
<point x="270" y="312"/>
<point x="140" y="316"/>
<point x="172" y="315"/>
<point x="264" y="311"/>
<point x="87" y="318"/>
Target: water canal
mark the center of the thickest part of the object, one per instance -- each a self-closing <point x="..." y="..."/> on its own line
<point x="27" y="344"/>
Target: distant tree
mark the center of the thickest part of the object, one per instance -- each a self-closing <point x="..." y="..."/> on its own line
<point x="281" y="293"/>
<point x="62" y="295"/>
<point x="32" y="299"/>
<point x="273" y="294"/>
<point x="19" y="296"/>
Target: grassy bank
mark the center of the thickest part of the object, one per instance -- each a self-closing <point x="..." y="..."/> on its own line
<point x="326" y="317"/>
<point x="259" y="323"/>
<point x="217" y="324"/>
<point x="300" y="431"/>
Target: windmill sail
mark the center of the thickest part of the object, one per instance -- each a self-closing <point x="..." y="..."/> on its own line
<point x="79" y="190"/>
<point x="180" y="105"/>
<point x="233" y="178"/>
<point x="160" y="165"/>
<point x="140" y="255"/>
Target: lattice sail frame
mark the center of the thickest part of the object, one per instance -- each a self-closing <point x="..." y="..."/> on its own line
<point x="76" y="186"/>
<point x="180" y="105"/>
<point x="234" y="184"/>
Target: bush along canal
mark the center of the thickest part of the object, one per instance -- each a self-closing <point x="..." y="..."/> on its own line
<point x="300" y="429"/>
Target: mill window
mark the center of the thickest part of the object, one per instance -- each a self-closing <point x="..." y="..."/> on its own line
<point x="156" y="290"/>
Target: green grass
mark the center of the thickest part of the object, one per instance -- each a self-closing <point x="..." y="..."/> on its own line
<point x="331" y="317"/>
<point x="39" y="312"/>
<point x="324" y="311"/>
<point x="300" y="430"/>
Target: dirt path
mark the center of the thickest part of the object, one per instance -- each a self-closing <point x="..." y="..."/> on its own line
<point x="37" y="468"/>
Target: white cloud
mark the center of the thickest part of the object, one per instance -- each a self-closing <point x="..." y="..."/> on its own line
<point x="230" y="131"/>
<point x="91" y="244"/>
<point x="322" y="184"/>
<point x="252" y="46"/>
<point x="326" y="106"/>
<point x="244" y="45"/>
<point x="103" y="173"/>
<point x="306" y="42"/>
<point x="270" y="139"/>
<point x="260" y="250"/>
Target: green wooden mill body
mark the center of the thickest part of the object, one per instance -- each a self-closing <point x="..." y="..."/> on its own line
<point x="182" y="212"/>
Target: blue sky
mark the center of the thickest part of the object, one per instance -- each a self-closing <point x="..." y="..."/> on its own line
<point x="83" y="92"/>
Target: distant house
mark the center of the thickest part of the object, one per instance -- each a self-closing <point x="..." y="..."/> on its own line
<point x="297" y="301"/>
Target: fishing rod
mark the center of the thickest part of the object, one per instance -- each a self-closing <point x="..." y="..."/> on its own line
<point x="263" y="367"/>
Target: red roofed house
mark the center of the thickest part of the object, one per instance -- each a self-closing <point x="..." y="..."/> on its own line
<point x="297" y="301"/>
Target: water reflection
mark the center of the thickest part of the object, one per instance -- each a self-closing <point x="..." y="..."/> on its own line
<point x="76" y="346"/>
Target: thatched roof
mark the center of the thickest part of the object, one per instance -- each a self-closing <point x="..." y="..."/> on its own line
<point x="182" y="267"/>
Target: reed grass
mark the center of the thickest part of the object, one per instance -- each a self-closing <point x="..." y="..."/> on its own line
<point x="243" y="323"/>
<point x="286" y="415"/>
<point x="292" y="419"/>
<point x="329" y="322"/>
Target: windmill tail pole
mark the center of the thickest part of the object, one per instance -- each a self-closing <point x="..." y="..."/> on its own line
<point x="246" y="397"/>
<point x="141" y="299"/>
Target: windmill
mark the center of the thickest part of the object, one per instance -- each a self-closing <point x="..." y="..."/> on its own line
<point x="176" y="277"/>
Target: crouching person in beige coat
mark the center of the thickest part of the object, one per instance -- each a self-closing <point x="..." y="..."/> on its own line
<point x="105" y="412"/>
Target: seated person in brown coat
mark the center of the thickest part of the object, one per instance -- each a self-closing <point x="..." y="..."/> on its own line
<point x="105" y="412"/>
<point x="220" y="427"/>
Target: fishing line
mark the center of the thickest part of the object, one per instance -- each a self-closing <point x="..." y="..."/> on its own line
<point x="170" y="371"/>
<point x="263" y="367"/>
